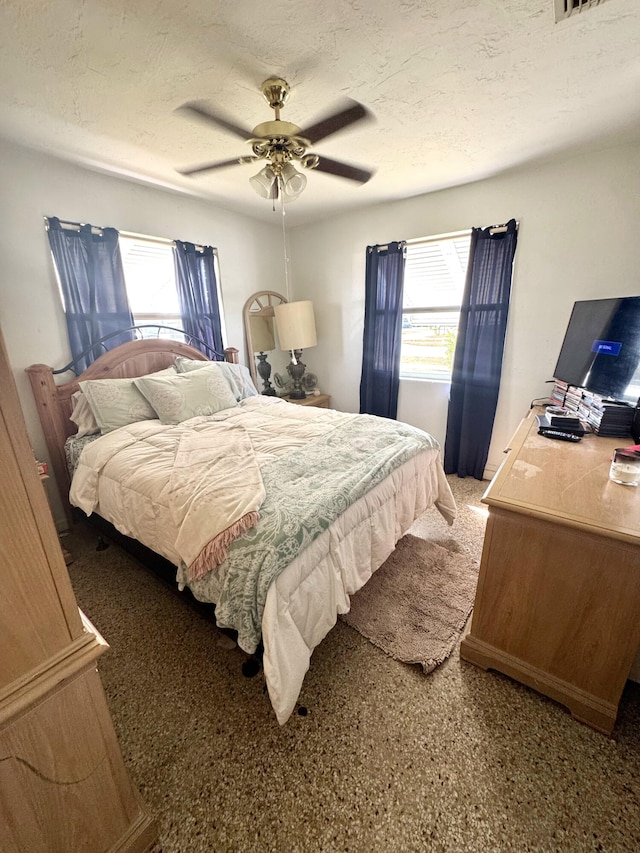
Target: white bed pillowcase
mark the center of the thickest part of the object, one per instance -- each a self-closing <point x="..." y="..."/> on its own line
<point x="182" y="396"/>
<point x="237" y="376"/>
<point x="117" y="402"/>
<point x="82" y="416"/>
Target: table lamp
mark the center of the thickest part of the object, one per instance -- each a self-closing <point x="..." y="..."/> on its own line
<point x="296" y="331"/>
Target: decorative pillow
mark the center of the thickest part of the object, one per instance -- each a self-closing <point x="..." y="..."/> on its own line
<point x="182" y="396"/>
<point x="82" y="416"/>
<point x="237" y="375"/>
<point x="117" y="402"/>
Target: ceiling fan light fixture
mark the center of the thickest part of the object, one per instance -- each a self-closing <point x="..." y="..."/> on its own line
<point x="265" y="183"/>
<point x="293" y="182"/>
<point x="279" y="142"/>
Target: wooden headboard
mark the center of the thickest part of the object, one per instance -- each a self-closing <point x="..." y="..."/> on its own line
<point x="135" y="358"/>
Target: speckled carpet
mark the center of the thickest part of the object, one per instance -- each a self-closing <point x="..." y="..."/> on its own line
<point x="387" y="758"/>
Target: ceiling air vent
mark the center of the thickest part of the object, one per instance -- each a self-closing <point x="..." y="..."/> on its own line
<point x="566" y="8"/>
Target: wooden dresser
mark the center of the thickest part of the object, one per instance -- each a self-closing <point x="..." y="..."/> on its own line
<point x="63" y="784"/>
<point x="321" y="401"/>
<point x="558" y="600"/>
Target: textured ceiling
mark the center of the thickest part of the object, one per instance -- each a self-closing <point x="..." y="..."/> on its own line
<point x="459" y="90"/>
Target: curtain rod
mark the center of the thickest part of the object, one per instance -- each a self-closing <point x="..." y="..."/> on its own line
<point x="500" y="229"/>
<point x="98" y="229"/>
<point x="161" y="240"/>
<point x="437" y="237"/>
<point x="73" y="226"/>
<point x="386" y="246"/>
<point x="493" y="229"/>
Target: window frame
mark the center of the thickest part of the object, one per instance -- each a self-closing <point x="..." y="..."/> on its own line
<point x="426" y="309"/>
<point x="170" y="319"/>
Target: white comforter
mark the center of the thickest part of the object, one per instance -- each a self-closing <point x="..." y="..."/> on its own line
<point x="205" y="473"/>
<point x="303" y="602"/>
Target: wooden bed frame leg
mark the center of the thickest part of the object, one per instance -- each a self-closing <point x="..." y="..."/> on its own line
<point x="102" y="543"/>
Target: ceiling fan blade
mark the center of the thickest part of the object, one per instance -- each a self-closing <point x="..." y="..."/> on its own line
<point x="343" y="170"/>
<point x="350" y="114"/>
<point x="200" y="110"/>
<point x="220" y="164"/>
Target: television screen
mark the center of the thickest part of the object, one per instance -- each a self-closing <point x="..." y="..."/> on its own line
<point x="601" y="348"/>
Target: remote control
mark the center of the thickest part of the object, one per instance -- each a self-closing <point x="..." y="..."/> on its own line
<point x="562" y="436"/>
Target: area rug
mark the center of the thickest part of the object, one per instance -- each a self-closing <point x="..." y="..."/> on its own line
<point x="416" y="605"/>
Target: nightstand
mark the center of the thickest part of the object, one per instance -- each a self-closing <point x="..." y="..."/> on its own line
<point x="321" y="401"/>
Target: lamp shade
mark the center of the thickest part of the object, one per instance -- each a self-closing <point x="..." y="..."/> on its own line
<point x="262" y="338"/>
<point x="296" y="325"/>
<point x="265" y="183"/>
<point x="293" y="182"/>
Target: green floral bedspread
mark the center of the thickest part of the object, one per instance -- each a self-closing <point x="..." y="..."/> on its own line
<point x="306" y="490"/>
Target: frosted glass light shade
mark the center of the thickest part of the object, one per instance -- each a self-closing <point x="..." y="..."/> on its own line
<point x="296" y="325"/>
<point x="293" y="182"/>
<point x="265" y="183"/>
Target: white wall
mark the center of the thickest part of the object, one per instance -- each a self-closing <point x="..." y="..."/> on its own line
<point x="578" y="220"/>
<point x="578" y="217"/>
<point x="31" y="316"/>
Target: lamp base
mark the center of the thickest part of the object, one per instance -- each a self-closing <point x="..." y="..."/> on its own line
<point x="264" y="371"/>
<point x="296" y="369"/>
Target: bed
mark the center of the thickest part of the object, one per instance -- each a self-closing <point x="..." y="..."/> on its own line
<point x="274" y="513"/>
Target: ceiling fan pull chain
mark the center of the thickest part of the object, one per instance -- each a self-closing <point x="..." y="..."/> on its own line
<point x="284" y="241"/>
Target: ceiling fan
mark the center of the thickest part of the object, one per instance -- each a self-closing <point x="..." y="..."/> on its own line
<point x="281" y="142"/>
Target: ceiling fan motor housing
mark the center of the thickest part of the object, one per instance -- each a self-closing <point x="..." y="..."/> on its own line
<point x="278" y="141"/>
<point x="275" y="129"/>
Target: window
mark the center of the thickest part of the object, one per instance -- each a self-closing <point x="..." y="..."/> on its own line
<point x="109" y="279"/>
<point x="434" y="276"/>
<point x="150" y="279"/>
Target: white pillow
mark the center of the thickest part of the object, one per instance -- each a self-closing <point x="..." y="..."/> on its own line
<point x="186" y="365"/>
<point x="82" y="416"/>
<point x="117" y="402"/>
<point x="237" y="375"/>
<point x="182" y="396"/>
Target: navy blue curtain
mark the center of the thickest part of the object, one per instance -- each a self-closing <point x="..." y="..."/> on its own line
<point x="380" y="378"/>
<point x="477" y="362"/>
<point x="198" y="294"/>
<point x="89" y="268"/>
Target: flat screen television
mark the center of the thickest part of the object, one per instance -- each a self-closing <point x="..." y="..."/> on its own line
<point x="601" y="348"/>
